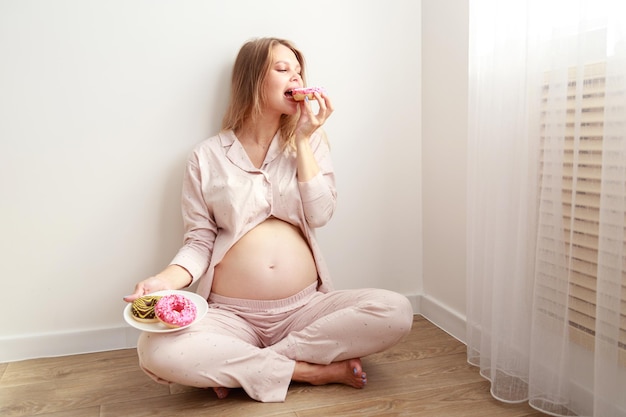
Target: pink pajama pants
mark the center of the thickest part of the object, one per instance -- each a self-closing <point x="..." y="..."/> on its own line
<point x="255" y="344"/>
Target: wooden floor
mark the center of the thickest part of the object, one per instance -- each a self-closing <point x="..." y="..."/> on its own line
<point x="425" y="375"/>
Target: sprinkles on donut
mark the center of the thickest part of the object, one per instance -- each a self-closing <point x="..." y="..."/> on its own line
<point x="299" y="94"/>
<point x="175" y="310"/>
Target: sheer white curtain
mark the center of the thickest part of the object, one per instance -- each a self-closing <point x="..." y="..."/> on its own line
<point x="546" y="311"/>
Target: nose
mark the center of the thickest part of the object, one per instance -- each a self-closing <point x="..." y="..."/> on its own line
<point x="295" y="77"/>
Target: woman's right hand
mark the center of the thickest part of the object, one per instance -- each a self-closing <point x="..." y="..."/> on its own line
<point x="173" y="277"/>
<point x="146" y="286"/>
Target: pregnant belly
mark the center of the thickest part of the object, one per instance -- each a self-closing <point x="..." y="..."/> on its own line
<point x="270" y="262"/>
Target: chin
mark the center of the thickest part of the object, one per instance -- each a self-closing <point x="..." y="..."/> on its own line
<point x="291" y="110"/>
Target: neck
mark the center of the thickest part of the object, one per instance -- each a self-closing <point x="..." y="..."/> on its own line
<point x="259" y="132"/>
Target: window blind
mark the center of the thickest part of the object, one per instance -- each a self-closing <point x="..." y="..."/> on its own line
<point x="581" y="117"/>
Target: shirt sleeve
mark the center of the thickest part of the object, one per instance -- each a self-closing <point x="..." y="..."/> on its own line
<point x="200" y="227"/>
<point x="319" y="194"/>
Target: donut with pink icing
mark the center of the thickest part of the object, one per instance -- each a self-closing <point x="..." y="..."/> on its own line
<point x="299" y="94"/>
<point x="175" y="310"/>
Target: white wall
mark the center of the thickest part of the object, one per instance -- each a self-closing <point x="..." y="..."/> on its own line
<point x="100" y="102"/>
<point x="444" y="153"/>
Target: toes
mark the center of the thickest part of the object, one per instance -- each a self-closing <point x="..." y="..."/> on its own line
<point x="360" y="377"/>
<point x="221" y="392"/>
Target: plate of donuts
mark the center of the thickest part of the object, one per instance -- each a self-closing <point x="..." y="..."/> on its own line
<point x="180" y="309"/>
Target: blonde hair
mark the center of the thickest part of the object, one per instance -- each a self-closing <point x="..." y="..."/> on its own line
<point x="252" y="65"/>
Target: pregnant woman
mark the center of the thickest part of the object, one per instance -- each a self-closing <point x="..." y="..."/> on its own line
<point x="252" y="197"/>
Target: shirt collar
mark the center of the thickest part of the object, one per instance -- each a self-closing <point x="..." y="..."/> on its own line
<point x="237" y="154"/>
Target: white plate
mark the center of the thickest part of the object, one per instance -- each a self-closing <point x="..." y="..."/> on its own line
<point x="201" y="308"/>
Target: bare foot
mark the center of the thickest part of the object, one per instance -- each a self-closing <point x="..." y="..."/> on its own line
<point x="221" y="392"/>
<point x="348" y="372"/>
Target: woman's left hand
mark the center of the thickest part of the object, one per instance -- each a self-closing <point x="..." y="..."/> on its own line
<point x="309" y="122"/>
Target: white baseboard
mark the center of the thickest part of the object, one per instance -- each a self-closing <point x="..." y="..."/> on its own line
<point x="45" y="345"/>
<point x="415" y="302"/>
<point x="123" y="337"/>
<point x="442" y="316"/>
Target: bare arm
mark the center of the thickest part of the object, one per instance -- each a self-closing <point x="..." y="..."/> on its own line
<point x="309" y="123"/>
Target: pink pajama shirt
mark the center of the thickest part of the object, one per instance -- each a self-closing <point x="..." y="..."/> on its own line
<point x="225" y="196"/>
<point x="254" y="344"/>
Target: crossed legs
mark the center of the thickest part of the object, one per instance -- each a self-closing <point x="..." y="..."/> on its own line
<point x="318" y="342"/>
